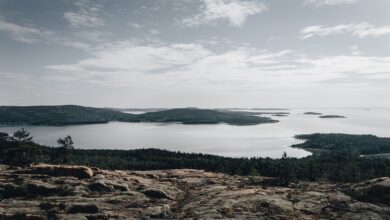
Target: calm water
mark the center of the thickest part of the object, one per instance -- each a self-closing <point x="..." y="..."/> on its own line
<point x="264" y="140"/>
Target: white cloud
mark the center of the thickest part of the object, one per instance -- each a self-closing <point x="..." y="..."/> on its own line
<point x="361" y="30"/>
<point x="33" y="35"/>
<point x="24" y="33"/>
<point x="319" y="3"/>
<point x="235" y="11"/>
<point x="192" y="66"/>
<point x="87" y="15"/>
<point x="154" y="32"/>
<point x="134" y="25"/>
<point x="355" y="50"/>
<point x="126" y="56"/>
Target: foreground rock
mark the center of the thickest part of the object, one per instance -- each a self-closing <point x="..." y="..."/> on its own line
<point x="55" y="192"/>
<point x="80" y="172"/>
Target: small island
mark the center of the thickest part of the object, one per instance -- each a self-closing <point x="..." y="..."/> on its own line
<point x="312" y="113"/>
<point x="280" y="115"/>
<point x="332" y="116"/>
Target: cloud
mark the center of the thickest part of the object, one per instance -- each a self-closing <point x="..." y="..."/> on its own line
<point x="214" y="11"/>
<point x="87" y="15"/>
<point x="154" y="32"/>
<point x="134" y="25"/>
<point x="355" y="50"/>
<point x="33" y="35"/>
<point x="361" y="30"/>
<point x="126" y="56"/>
<point x="319" y="3"/>
<point x="22" y="33"/>
<point x="165" y="67"/>
<point x="11" y="82"/>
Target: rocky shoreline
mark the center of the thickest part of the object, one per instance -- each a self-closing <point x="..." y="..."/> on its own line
<point x="78" y="192"/>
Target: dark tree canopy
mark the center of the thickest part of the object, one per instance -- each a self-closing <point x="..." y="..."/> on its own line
<point x="332" y="165"/>
<point x="22" y="136"/>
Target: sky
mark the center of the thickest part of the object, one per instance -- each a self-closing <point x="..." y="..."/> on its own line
<point x="195" y="53"/>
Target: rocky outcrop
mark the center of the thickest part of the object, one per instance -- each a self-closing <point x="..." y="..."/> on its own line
<point x="80" y="172"/>
<point x="52" y="193"/>
<point x="375" y="191"/>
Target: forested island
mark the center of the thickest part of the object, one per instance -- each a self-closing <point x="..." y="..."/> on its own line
<point x="342" y="163"/>
<point x="345" y="143"/>
<point x="332" y="116"/>
<point x="73" y="114"/>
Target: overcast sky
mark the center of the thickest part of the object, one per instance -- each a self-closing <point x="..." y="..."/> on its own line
<point x="203" y="53"/>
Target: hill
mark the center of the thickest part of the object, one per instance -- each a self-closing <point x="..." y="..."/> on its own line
<point x="72" y="114"/>
<point x="60" y="115"/>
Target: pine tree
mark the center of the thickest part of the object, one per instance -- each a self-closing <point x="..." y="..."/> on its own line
<point x="66" y="144"/>
<point x="22" y="136"/>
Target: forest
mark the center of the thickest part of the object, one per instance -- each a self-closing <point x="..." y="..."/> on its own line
<point x="346" y="143"/>
<point x="342" y="163"/>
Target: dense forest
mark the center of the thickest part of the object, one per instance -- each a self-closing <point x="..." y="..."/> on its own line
<point x="72" y="114"/>
<point x="338" y="164"/>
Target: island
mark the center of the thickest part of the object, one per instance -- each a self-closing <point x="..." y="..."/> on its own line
<point x="253" y="113"/>
<point x="61" y="115"/>
<point x="344" y="143"/>
<point x="332" y="116"/>
<point x="203" y="116"/>
<point x="280" y="115"/>
<point x="73" y="114"/>
<point x="312" y="113"/>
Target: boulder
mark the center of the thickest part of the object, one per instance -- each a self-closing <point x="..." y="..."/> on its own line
<point x="80" y="172"/>
<point x="107" y="186"/>
<point x="10" y="190"/>
<point x="159" y="212"/>
<point x="22" y="216"/>
<point x="156" y="193"/>
<point x="100" y="186"/>
<point x="41" y="189"/>
<point x="374" y="191"/>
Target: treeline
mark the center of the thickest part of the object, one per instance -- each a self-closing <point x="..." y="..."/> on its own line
<point x="336" y="166"/>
